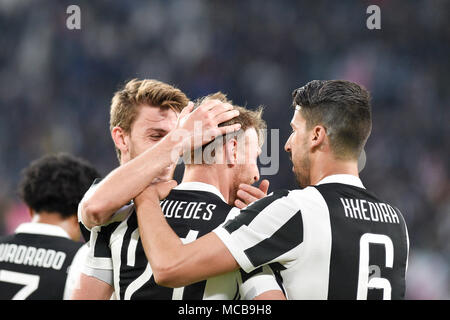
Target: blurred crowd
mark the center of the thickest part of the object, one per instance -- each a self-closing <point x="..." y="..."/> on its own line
<point x="56" y="85"/>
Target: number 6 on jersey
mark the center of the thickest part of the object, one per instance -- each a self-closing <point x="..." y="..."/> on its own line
<point x="364" y="283"/>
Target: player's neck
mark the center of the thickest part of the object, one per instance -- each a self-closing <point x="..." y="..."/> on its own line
<point x="209" y="174"/>
<point x="324" y="168"/>
<point x="69" y="224"/>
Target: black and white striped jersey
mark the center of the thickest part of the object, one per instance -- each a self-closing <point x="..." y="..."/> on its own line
<point x="334" y="240"/>
<point x="192" y="209"/>
<point x="34" y="262"/>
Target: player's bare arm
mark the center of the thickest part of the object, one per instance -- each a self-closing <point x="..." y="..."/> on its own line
<point x="175" y="264"/>
<point x="91" y="288"/>
<point x="271" y="295"/>
<point x="128" y="180"/>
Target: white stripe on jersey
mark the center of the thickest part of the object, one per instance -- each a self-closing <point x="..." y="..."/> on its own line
<point x="311" y="270"/>
<point x="320" y="263"/>
<point x="263" y="226"/>
<point x="138" y="282"/>
<point x="222" y="287"/>
<point x="131" y="253"/>
<point x="74" y="272"/>
<point x="306" y="276"/>
<point x="248" y="290"/>
<point x="91" y="260"/>
<point x="116" y="246"/>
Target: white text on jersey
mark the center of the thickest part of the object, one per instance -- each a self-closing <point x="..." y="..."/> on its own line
<point x="370" y="211"/>
<point x="31" y="256"/>
<point x="187" y="210"/>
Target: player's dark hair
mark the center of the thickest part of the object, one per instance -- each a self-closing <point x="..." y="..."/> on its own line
<point x="56" y="183"/>
<point x="343" y="108"/>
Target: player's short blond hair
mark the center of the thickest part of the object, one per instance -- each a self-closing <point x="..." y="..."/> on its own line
<point x="126" y="102"/>
<point x="247" y="118"/>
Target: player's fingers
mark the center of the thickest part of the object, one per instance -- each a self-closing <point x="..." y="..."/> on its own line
<point x="238" y="203"/>
<point x="186" y="110"/>
<point x="220" y="108"/>
<point x="253" y="191"/>
<point x="246" y="197"/>
<point x="229" y="129"/>
<point x="225" y="116"/>
<point x="209" y="104"/>
<point x="264" y="186"/>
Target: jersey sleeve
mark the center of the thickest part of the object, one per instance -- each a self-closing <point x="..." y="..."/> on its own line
<point x="99" y="254"/>
<point x="267" y="231"/>
<point x="257" y="282"/>
<point x="85" y="231"/>
<point x="98" y="257"/>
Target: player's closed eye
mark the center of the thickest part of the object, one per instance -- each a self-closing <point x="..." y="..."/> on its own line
<point x="156" y="136"/>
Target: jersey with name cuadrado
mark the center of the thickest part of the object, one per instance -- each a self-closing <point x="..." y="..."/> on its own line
<point x="192" y="209"/>
<point x="334" y="240"/>
<point x="34" y="262"/>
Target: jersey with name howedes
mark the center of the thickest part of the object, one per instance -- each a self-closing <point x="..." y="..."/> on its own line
<point x="34" y="262"/>
<point x="192" y="209"/>
<point x="334" y="240"/>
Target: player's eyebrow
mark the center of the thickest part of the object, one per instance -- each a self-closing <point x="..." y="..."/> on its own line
<point x="157" y="130"/>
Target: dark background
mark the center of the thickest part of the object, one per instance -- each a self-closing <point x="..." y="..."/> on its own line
<point x="56" y="85"/>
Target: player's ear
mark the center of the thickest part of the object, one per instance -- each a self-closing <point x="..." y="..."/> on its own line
<point x="231" y="151"/>
<point x="120" y="139"/>
<point x="318" y="137"/>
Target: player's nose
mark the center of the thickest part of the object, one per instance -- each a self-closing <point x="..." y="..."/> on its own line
<point x="287" y="145"/>
<point x="256" y="177"/>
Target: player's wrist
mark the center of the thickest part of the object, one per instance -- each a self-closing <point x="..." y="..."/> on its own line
<point x="172" y="146"/>
<point x="150" y="198"/>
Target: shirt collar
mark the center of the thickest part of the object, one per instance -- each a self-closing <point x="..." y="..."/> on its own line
<point x="344" y="179"/>
<point x="42" y="228"/>
<point x="200" y="186"/>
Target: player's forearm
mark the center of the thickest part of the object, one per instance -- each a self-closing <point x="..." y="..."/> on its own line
<point x="125" y="182"/>
<point x="173" y="263"/>
<point x="163" y="248"/>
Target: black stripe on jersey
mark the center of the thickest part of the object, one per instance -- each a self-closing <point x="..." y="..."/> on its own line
<point x="245" y="276"/>
<point x="284" y="239"/>
<point x="248" y="214"/>
<point x="346" y="251"/>
<point x="278" y="277"/>
<point x="102" y="249"/>
<point x="84" y="232"/>
<point x="237" y="296"/>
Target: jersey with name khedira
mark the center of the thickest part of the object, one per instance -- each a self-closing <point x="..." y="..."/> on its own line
<point x="34" y="262"/>
<point x="191" y="213"/>
<point x="334" y="240"/>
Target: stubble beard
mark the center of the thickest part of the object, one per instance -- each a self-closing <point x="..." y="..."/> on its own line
<point x="302" y="168"/>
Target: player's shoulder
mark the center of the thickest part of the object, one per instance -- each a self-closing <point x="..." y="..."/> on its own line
<point x="59" y="243"/>
<point x="7" y="239"/>
<point x="280" y="197"/>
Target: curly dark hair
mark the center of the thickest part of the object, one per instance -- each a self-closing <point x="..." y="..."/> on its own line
<point x="56" y="183"/>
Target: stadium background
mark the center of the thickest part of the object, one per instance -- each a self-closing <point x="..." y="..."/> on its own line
<point x="56" y="85"/>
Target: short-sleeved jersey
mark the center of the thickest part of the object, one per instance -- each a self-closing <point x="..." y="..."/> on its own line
<point x="34" y="262"/>
<point x="334" y="240"/>
<point x="192" y="210"/>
